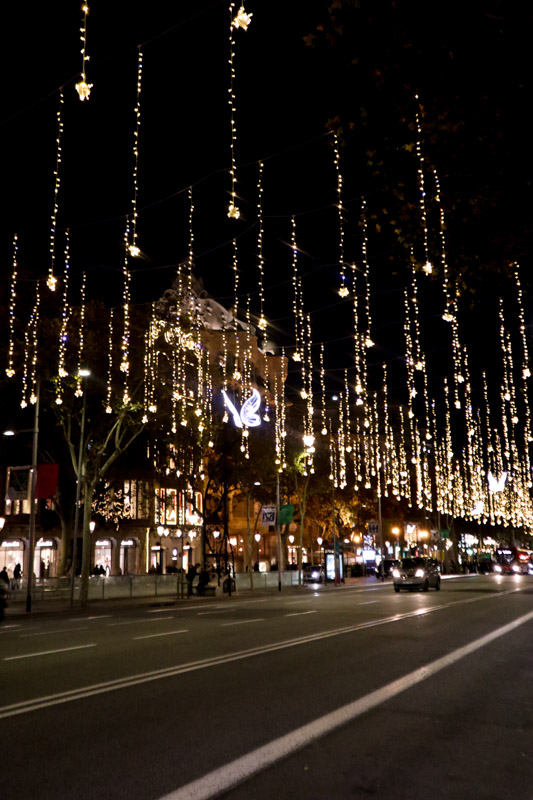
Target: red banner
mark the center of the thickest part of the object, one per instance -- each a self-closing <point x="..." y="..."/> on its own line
<point x="46" y="485"/>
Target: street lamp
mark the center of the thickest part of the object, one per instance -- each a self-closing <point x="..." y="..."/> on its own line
<point x="257" y="538"/>
<point x="291" y="542"/>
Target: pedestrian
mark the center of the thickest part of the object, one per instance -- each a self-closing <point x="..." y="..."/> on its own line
<point x="17" y="574"/>
<point x="203" y="580"/>
<point x="191" y="575"/>
<point x="4" y="577"/>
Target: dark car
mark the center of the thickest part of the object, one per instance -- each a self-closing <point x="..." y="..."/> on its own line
<point x="416" y="573"/>
<point x="388" y="565"/>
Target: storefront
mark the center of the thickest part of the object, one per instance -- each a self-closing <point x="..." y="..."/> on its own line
<point x="129" y="549"/>
<point x="11" y="554"/>
<point x="157" y="558"/>
<point x="103" y="555"/>
<point x="45" y="558"/>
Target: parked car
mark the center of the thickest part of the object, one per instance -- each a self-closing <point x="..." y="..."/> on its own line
<point x="388" y="566"/>
<point x="416" y="573"/>
<point x="314" y="574"/>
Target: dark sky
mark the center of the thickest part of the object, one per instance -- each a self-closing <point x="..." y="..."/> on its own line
<point x="285" y="93"/>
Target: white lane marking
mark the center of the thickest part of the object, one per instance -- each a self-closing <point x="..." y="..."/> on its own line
<point x="241" y="622"/>
<point x="100" y="616"/>
<point x="218" y="611"/>
<point x="299" y="613"/>
<point x="368" y="602"/>
<point x="166" y="633"/>
<point x="157" y="610"/>
<point x="298" y="602"/>
<point x="49" y="652"/>
<point x="236" y="772"/>
<point x="83" y="692"/>
<point x="49" y="633"/>
<point x="137" y="621"/>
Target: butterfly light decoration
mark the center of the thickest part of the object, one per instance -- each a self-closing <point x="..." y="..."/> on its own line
<point x="248" y="415"/>
<point x="496" y="484"/>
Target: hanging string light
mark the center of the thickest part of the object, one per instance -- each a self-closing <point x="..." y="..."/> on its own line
<point x="299" y="327"/>
<point x="81" y="341"/>
<point x="324" y="430"/>
<point x="109" y="382"/>
<point x="262" y="323"/>
<point x="526" y="372"/>
<point x="241" y="20"/>
<point x="29" y="370"/>
<point x="52" y="280"/>
<point x="65" y="318"/>
<point x="237" y="375"/>
<point x="10" y="370"/>
<point x="133" y="246"/>
<point x="448" y="302"/>
<point x="343" y="289"/>
<point x="125" y="346"/>
<point x="366" y="267"/>
<point x="428" y="267"/>
<point x="419" y="362"/>
<point x="82" y="87"/>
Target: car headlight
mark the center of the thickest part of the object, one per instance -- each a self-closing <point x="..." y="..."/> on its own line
<point x="516" y="568"/>
<point x="419" y="573"/>
<point x="497" y="568"/>
<point x="395" y="573"/>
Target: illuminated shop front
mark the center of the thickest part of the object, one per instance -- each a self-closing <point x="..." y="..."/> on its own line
<point x="11" y="554"/>
<point x="178" y="518"/>
<point x="45" y="558"/>
<point x="128" y="555"/>
<point x="103" y="554"/>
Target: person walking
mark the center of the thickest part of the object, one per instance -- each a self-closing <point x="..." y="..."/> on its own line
<point x="191" y="575"/>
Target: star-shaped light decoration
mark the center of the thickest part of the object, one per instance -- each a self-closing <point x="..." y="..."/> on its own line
<point x="84" y="89"/>
<point x="343" y="291"/>
<point x="428" y="268"/>
<point x="233" y="211"/>
<point x="242" y="20"/>
<point x="134" y="250"/>
<point x="262" y="324"/>
<point x="51" y="282"/>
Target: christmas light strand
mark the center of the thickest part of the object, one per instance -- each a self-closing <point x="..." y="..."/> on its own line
<point x="262" y="323"/>
<point x="52" y="280"/>
<point x="82" y="87"/>
<point x="133" y="246"/>
<point x="10" y="369"/>
<point x="63" y="331"/>
<point x="343" y="289"/>
<point x="428" y="267"/>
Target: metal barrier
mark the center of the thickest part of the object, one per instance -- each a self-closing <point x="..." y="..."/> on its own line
<point x="114" y="587"/>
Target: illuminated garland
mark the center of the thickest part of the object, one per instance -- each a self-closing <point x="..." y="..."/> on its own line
<point x="134" y="249"/>
<point x="52" y="280"/>
<point x="65" y="317"/>
<point x="10" y="370"/>
<point x="82" y="87"/>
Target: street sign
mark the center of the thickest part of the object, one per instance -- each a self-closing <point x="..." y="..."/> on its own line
<point x="373" y="527"/>
<point x="268" y="515"/>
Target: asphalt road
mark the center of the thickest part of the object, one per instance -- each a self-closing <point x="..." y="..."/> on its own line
<point x="349" y="692"/>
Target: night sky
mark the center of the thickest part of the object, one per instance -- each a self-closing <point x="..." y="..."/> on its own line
<point x="468" y="65"/>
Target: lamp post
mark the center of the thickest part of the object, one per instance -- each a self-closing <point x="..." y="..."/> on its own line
<point x="319" y="543"/>
<point x="278" y="532"/>
<point x="83" y="373"/>
<point x="31" y="548"/>
<point x="257" y="537"/>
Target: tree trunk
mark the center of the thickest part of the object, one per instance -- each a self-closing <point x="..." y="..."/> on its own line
<point x="86" y="536"/>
